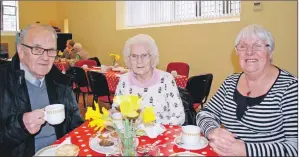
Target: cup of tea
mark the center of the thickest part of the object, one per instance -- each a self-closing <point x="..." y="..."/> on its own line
<point x="54" y="114"/>
<point x="190" y="135"/>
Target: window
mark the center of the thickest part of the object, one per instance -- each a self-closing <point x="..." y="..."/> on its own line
<point x="9" y="15"/>
<point x="143" y="13"/>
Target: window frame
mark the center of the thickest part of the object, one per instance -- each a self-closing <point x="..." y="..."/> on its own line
<point x="226" y="9"/>
<point x="6" y="32"/>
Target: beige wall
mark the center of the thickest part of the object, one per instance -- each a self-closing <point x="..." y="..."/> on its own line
<point x="29" y="13"/>
<point x="206" y="47"/>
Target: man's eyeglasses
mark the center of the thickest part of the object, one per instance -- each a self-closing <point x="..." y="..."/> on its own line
<point x="143" y="57"/>
<point x="40" y="51"/>
<point x="254" y="47"/>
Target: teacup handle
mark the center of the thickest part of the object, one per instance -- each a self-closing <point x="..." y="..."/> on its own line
<point x="45" y="117"/>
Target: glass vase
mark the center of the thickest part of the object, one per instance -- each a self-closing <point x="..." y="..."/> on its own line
<point x="127" y="146"/>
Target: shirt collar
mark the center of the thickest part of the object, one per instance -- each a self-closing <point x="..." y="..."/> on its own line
<point x="29" y="76"/>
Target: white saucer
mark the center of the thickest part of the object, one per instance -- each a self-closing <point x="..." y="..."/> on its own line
<point x="203" y="142"/>
<point x="187" y="153"/>
<point x="49" y="151"/>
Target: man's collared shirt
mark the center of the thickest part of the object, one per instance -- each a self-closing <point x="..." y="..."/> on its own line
<point x="30" y="77"/>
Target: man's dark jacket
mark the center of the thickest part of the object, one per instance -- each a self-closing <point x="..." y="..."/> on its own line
<point x="15" y="140"/>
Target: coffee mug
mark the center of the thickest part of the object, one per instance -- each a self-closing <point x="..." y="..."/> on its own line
<point x="190" y="135"/>
<point x="117" y="119"/>
<point x="54" y="114"/>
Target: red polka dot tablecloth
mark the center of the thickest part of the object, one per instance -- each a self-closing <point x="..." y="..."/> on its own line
<point x="113" y="79"/>
<point x="63" y="66"/>
<point x="81" y="135"/>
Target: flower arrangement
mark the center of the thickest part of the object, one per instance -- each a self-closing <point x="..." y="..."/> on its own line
<point x="60" y="53"/>
<point x="129" y="106"/>
<point x="115" y="58"/>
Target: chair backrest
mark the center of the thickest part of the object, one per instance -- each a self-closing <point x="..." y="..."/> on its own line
<point x="190" y="113"/>
<point x="199" y="87"/>
<point x="89" y="63"/>
<point x="181" y="68"/>
<point x="97" y="60"/>
<point x="79" y="76"/>
<point x="98" y="84"/>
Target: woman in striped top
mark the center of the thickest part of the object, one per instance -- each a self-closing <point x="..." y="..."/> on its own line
<point x="257" y="108"/>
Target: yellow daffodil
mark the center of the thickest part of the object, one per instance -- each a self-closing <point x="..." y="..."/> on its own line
<point x="93" y="114"/>
<point x="117" y="57"/>
<point x="148" y="114"/>
<point x="129" y="105"/>
<point x="98" y="120"/>
<point x="105" y="114"/>
<point x="98" y="124"/>
<point x="60" y="53"/>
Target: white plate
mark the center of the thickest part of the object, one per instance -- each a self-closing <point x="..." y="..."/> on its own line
<point x="95" y="146"/>
<point x="49" y="151"/>
<point x="187" y="153"/>
<point x="203" y="142"/>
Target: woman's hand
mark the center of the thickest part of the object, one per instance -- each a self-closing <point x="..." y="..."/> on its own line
<point x="224" y="143"/>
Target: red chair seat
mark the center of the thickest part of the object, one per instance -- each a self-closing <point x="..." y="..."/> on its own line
<point x="84" y="89"/>
<point x="105" y="98"/>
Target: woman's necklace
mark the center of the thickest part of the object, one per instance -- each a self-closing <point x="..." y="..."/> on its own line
<point x="249" y="92"/>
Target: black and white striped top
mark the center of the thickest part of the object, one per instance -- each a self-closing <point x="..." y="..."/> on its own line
<point x="269" y="128"/>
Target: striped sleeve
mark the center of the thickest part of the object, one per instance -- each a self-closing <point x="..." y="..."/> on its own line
<point x="289" y="108"/>
<point x="209" y="117"/>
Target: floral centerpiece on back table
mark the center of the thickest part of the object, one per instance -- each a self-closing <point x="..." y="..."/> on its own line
<point x="115" y="58"/>
<point x="129" y="106"/>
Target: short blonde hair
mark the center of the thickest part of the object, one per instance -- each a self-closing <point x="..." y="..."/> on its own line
<point x="145" y="40"/>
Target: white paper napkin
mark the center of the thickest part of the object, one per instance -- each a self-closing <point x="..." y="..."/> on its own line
<point x="154" y="130"/>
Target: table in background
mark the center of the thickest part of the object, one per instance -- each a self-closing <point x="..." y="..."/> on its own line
<point x="80" y="137"/>
<point x="113" y="79"/>
<point x="62" y="65"/>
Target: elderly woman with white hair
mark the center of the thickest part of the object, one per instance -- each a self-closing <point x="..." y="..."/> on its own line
<point x="157" y="88"/>
<point x="79" y="51"/>
<point x="257" y="107"/>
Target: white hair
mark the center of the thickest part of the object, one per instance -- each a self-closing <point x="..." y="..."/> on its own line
<point x="48" y="28"/>
<point x="77" y="46"/>
<point x="258" y="31"/>
<point x="146" y="41"/>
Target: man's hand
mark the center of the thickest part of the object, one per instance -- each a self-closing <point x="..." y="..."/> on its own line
<point x="33" y="120"/>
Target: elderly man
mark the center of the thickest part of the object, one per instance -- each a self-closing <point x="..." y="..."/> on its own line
<point x="28" y="84"/>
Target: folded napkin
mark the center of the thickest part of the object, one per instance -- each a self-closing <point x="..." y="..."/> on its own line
<point x="152" y="131"/>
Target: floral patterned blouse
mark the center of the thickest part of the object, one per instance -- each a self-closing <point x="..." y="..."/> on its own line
<point x="163" y="95"/>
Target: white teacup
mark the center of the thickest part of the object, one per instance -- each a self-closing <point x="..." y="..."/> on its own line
<point x="54" y="114"/>
<point x="117" y="119"/>
<point x="174" y="73"/>
<point x="190" y="135"/>
<point x="104" y="68"/>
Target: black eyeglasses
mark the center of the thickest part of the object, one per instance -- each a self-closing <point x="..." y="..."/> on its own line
<point x="40" y="51"/>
